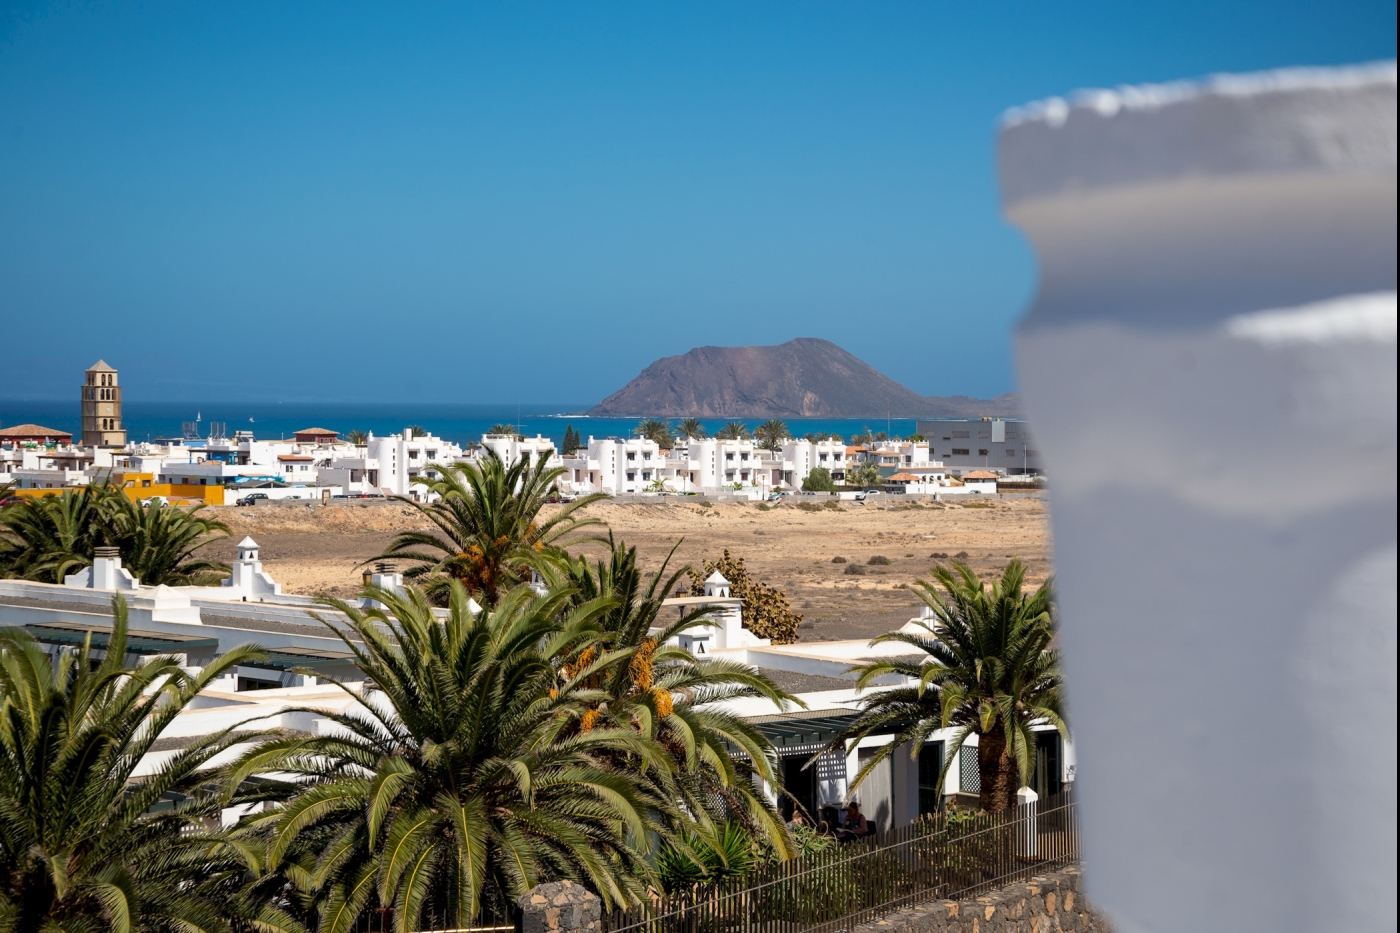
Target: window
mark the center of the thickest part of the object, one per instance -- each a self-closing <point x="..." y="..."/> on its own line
<point x="729" y="456"/>
<point x="631" y="455"/>
<point x="1010" y="452"/>
<point x="432" y="455"/>
<point x="981" y="451"/>
<point x="961" y="434"/>
<point x="646" y="455"/>
<point x="743" y="456"/>
<point x="984" y="435"/>
<point x="631" y="476"/>
<point x="821" y="457"/>
<point x="930" y="766"/>
<point x="413" y="455"/>
<point x="1032" y="453"/>
<point x="646" y="474"/>
<point x="837" y="458"/>
<point x="959" y="452"/>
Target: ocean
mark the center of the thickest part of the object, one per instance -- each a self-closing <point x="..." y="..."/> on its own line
<point x="459" y="423"/>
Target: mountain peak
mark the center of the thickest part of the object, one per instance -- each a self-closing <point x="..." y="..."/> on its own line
<point x="807" y="377"/>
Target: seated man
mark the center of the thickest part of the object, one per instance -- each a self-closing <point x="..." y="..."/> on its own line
<point x="855" y="822"/>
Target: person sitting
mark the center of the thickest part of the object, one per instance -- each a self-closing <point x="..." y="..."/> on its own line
<point x="855" y="824"/>
<point x="797" y="819"/>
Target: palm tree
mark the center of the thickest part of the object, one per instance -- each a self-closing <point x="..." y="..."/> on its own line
<point x="81" y="844"/>
<point x="655" y="429"/>
<point x="666" y="693"/>
<point x="772" y="433"/>
<point x="864" y="473"/>
<point x="490" y="532"/>
<point x="503" y="430"/>
<point x="990" y="671"/>
<point x="462" y="773"/>
<point x="732" y="431"/>
<point x="691" y="428"/>
<point x="158" y="541"/>
<point x="358" y="438"/>
<point x="416" y="430"/>
<point x="45" y="538"/>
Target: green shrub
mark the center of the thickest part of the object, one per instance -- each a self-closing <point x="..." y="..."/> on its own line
<point x="855" y="570"/>
<point x="879" y="560"/>
<point x="819" y="480"/>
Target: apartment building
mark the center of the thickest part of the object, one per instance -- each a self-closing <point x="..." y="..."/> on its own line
<point x="1001" y="446"/>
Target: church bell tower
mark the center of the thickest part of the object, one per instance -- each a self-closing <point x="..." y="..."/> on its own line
<point x="102" y="408"/>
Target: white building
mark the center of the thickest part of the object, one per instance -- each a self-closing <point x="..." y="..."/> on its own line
<point x="512" y="447"/>
<point x="197" y="624"/>
<point x="615" y="466"/>
<point x="396" y="460"/>
<point x="1003" y="446"/>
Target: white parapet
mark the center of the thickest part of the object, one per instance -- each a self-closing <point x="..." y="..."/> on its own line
<point x="1211" y="363"/>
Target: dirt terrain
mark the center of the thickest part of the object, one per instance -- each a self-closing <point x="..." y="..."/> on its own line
<point x="319" y="549"/>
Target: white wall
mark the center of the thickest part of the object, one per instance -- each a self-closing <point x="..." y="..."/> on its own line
<point x="1217" y="299"/>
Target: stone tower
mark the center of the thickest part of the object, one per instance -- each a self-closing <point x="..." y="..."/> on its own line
<point x="102" y="408"/>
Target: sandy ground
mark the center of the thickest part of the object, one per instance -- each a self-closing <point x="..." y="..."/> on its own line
<point x="319" y="549"/>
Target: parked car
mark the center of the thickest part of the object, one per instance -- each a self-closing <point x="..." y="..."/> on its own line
<point x="253" y="498"/>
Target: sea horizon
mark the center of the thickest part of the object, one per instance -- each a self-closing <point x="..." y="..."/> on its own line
<point x="457" y="422"/>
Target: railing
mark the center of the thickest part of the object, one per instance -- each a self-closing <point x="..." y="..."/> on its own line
<point x="938" y="857"/>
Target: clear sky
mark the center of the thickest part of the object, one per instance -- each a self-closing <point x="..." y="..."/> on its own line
<point x="530" y="202"/>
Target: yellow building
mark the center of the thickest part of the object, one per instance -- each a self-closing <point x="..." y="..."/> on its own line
<point x="141" y="486"/>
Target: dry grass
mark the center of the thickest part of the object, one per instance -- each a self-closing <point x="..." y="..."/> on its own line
<point x="314" y="549"/>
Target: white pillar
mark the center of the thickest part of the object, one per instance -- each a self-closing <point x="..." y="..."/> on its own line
<point x="1210" y="364"/>
<point x="1027" y="830"/>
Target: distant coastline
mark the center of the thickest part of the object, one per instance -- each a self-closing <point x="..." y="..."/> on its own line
<point x="460" y="423"/>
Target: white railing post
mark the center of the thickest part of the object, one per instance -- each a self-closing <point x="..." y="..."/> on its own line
<point x="1027" y="829"/>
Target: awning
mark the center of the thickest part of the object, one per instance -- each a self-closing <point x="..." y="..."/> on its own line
<point x="137" y="642"/>
<point x="804" y="727"/>
<point x="283" y="659"/>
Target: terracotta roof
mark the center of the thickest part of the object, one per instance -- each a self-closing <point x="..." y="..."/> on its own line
<point x="902" y="478"/>
<point x="980" y="474"/>
<point x="319" y="431"/>
<point x="293" y="457"/>
<point x="33" y="430"/>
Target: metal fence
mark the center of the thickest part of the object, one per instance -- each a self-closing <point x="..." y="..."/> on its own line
<point x="940" y="856"/>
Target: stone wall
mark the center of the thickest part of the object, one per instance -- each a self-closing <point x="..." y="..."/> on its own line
<point x="560" y="907"/>
<point x="1046" y="903"/>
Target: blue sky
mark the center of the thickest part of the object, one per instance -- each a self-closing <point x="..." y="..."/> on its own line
<point x="530" y="202"/>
